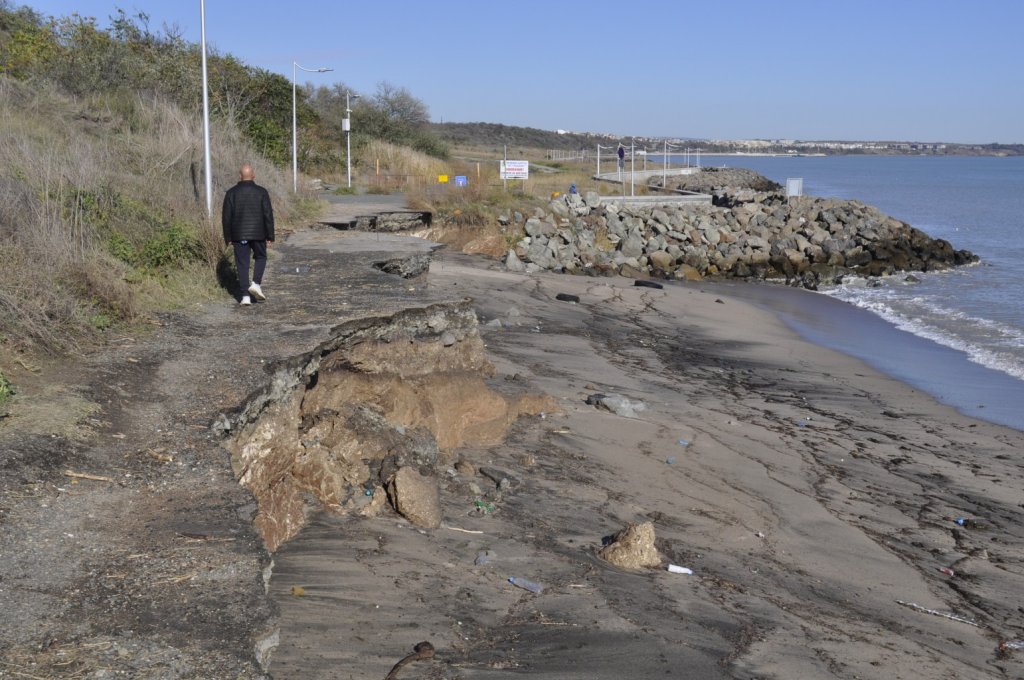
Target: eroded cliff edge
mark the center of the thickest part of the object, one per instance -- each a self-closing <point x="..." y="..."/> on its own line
<point x="159" y="568"/>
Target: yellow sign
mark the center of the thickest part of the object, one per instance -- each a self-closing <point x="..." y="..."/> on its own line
<point x="443" y="179"/>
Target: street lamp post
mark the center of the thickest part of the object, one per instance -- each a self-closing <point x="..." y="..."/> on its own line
<point x="207" y="164"/>
<point x="632" y="157"/>
<point x="348" y="136"/>
<point x="295" y="125"/>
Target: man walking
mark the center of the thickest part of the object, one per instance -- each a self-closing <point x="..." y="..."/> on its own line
<point x="248" y="221"/>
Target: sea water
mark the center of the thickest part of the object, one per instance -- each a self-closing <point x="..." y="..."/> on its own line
<point x="974" y="313"/>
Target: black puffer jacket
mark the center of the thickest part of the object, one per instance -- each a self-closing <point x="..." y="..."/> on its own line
<point x="247" y="213"/>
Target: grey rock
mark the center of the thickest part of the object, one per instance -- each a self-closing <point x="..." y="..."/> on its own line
<point x="513" y="263"/>
<point x="632" y="247"/>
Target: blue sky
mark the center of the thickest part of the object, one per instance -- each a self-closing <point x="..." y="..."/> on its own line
<point x="895" y="70"/>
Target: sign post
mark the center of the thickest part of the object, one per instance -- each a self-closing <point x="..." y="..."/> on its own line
<point x="515" y="170"/>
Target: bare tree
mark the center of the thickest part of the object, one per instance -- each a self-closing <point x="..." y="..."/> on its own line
<point x="398" y="105"/>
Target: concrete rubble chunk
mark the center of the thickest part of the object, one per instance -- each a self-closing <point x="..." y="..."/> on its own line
<point x="416" y="497"/>
<point x="633" y="548"/>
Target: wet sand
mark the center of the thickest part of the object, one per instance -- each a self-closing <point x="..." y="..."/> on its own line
<point x="812" y="493"/>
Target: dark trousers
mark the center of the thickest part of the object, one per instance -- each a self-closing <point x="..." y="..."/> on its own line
<point x="259" y="253"/>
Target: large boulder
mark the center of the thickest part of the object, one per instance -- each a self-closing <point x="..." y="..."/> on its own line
<point x="632" y="246"/>
<point x="633" y="548"/>
<point x="661" y="260"/>
<point x="416" y="497"/>
<point x="513" y="263"/>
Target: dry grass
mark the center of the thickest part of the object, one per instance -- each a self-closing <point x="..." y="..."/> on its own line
<point x="102" y="214"/>
<point x="397" y="160"/>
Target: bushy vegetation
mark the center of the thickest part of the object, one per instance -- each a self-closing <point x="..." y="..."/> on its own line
<point x="391" y="115"/>
<point x="494" y="136"/>
<point x="102" y="213"/>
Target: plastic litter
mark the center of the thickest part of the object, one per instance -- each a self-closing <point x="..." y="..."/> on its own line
<point x="801" y="424"/>
<point x="971" y="524"/>
<point x="486" y="506"/>
<point x="482" y="558"/>
<point x="670" y="461"/>
<point x="684" y="443"/>
<point x="369" y="492"/>
<point x="947" y="571"/>
<point x="1012" y="645"/>
<point x="945" y="615"/>
<point x="680" y="570"/>
<point x="526" y="585"/>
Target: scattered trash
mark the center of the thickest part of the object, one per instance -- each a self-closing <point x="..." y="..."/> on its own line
<point x="535" y="329"/>
<point x="422" y="651"/>
<point x="566" y="297"/>
<point x="297" y="591"/>
<point x="648" y="284"/>
<point x="680" y="570"/>
<point x="760" y="534"/>
<point x="684" y="443"/>
<point x="159" y="455"/>
<point x="971" y="524"/>
<point x="945" y="615"/>
<point x="1012" y="645"/>
<point x="464" y="531"/>
<point x="543" y="415"/>
<point x="297" y="270"/>
<point x="369" y="492"/>
<point x="488" y="508"/>
<point x="95" y="478"/>
<point x="670" y="461"/>
<point x="801" y="424"/>
<point x="483" y="557"/>
<point x="526" y="585"/>
<point x="947" y="571"/>
<point x="452" y="473"/>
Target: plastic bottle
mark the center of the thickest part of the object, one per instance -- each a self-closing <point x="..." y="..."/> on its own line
<point x="527" y="585"/>
<point x="680" y="570"/>
<point x="947" y="571"/>
<point x="1013" y="645"/>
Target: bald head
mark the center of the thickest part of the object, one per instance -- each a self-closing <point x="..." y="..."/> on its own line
<point x="246" y="174"/>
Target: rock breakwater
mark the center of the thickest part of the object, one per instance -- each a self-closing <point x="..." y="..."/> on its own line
<point x="756" y="236"/>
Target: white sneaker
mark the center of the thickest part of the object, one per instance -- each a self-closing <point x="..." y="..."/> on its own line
<point x="245" y="300"/>
<point x="257" y="292"/>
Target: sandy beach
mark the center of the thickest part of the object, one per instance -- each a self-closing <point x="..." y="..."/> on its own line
<point x="810" y="495"/>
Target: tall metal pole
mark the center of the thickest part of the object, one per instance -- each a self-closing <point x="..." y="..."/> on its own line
<point x="207" y="164"/>
<point x="632" y="163"/>
<point x="664" y="168"/>
<point x="295" y="138"/>
<point x="295" y="125"/>
<point x="348" y="140"/>
<point x="598" y="159"/>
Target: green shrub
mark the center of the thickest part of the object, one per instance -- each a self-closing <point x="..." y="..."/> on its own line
<point x="122" y="249"/>
<point x="174" y="245"/>
<point x="7" y="390"/>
